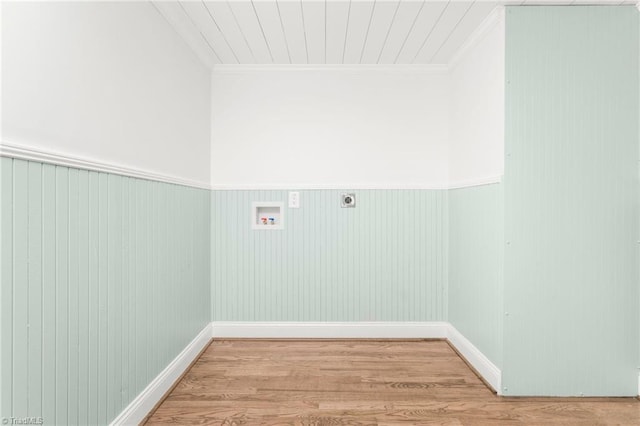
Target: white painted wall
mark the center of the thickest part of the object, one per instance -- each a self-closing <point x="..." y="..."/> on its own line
<point x="329" y="127"/>
<point x="110" y="82"/>
<point x="476" y="146"/>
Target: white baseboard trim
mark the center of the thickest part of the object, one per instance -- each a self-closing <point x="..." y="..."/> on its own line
<point x="488" y="370"/>
<point x="138" y="409"/>
<point x="363" y="330"/>
<point x="330" y="330"/>
<point x="360" y="330"/>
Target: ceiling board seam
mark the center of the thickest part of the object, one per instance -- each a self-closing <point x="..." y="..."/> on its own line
<point x="452" y="30"/>
<point x="413" y="24"/>
<point x="496" y="17"/>
<point x="384" y="43"/>
<point x="200" y="32"/>
<point x="304" y="31"/>
<point x="441" y="30"/>
<point x="366" y="36"/>
<point x="346" y="31"/>
<point x="241" y="32"/>
<point x="325" y="31"/>
<point x="435" y="24"/>
<point x="220" y="31"/>
<point x="169" y="19"/>
<point x="266" y="42"/>
<point x="284" y="34"/>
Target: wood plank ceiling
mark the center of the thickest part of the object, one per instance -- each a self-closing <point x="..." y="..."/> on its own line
<point x="332" y="31"/>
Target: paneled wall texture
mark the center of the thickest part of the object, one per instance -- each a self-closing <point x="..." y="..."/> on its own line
<point x="385" y="260"/>
<point x="476" y="251"/>
<point x="571" y="201"/>
<point x="105" y="279"/>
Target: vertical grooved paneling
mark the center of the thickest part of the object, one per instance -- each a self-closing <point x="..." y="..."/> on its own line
<point x="476" y="228"/>
<point x="83" y="298"/>
<point x="141" y="287"/>
<point x="124" y="296"/>
<point x="35" y="288"/>
<point x="114" y="225"/>
<point x="62" y="294"/>
<point x="153" y="274"/>
<point x="133" y="286"/>
<point x="20" y="285"/>
<point x="49" y="276"/>
<point x="6" y="290"/>
<point x="571" y="201"/>
<point x="385" y="260"/>
<point x="93" y="296"/>
<point x="105" y="279"/>
<point x="103" y="294"/>
<point x="72" y="300"/>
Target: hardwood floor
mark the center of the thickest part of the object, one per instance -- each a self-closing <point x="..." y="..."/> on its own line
<point x="360" y="382"/>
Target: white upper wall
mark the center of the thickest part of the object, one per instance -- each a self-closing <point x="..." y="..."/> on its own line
<point x="379" y="127"/>
<point x="476" y="146"/>
<point x="348" y="127"/>
<point x="109" y="82"/>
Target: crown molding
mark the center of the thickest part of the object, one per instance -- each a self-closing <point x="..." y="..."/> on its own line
<point x="495" y="17"/>
<point x="346" y="68"/>
<point x="332" y="186"/>
<point x="23" y="152"/>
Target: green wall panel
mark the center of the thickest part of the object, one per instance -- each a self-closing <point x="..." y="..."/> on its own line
<point x="105" y="279"/>
<point x="571" y="201"/>
<point x="385" y="260"/>
<point x="6" y="291"/>
<point x="476" y="241"/>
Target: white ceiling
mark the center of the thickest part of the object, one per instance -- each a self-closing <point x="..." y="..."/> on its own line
<point x="332" y="31"/>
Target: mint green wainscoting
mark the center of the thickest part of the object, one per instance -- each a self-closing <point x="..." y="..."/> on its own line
<point x="105" y="279"/>
<point x="476" y="239"/>
<point x="571" y="201"/>
<point x="384" y="260"/>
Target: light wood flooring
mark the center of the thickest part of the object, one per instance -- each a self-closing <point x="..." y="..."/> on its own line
<point x="360" y="382"/>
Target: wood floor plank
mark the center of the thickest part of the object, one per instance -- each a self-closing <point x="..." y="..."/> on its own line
<point x="360" y="382"/>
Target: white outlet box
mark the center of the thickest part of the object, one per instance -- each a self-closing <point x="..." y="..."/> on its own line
<point x="294" y="200"/>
